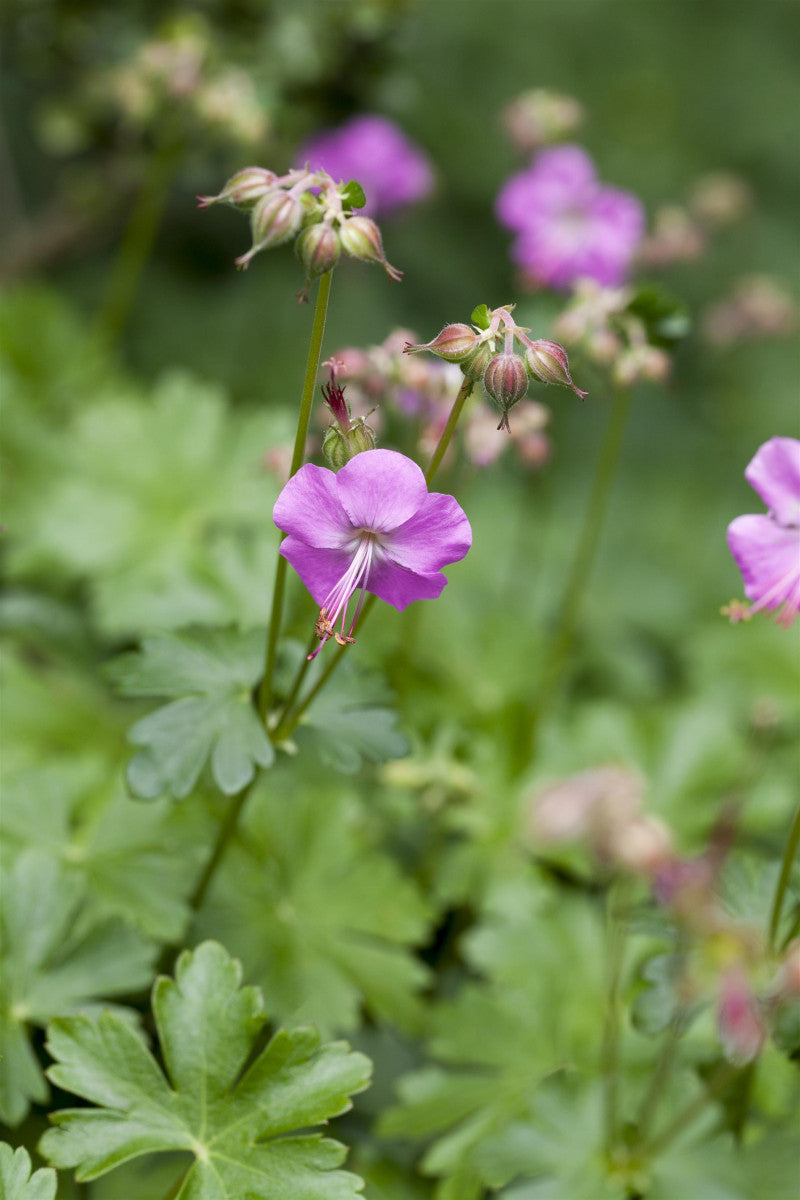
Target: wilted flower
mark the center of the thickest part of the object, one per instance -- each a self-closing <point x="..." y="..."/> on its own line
<point x="391" y="169"/>
<point x="372" y="526"/>
<point x="568" y="224"/>
<point x="767" y="546"/>
<point x="539" y="116"/>
<point x="759" y="307"/>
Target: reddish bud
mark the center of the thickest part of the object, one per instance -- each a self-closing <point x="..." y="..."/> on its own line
<point x="455" y="344"/>
<point x="548" y="362"/>
<point x="318" y="249"/>
<point x="506" y="382"/>
<point x="361" y="238"/>
<point x="739" y="1020"/>
<point x="275" y="218"/>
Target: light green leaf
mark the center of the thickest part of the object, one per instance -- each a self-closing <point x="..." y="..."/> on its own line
<point x="217" y="724"/>
<point x="16" y="1181"/>
<point x="210" y="1102"/>
<point x="353" y="195"/>
<point x="350" y="724"/>
<point x="55" y="959"/>
<point x="480" y="316"/>
<point x="323" y="919"/>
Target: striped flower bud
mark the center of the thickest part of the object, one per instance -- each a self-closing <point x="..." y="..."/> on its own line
<point x="548" y="362"/>
<point x="275" y="218"/>
<point x="474" y="367"/>
<point x="244" y="189"/>
<point x="361" y="238"/>
<point x="455" y="344"/>
<point x="318" y="248"/>
<point x="506" y="382"/>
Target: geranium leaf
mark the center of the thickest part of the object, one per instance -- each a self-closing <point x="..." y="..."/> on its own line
<point x="350" y="724"/>
<point x="210" y="675"/>
<point x="16" y="1180"/>
<point x="209" y="1099"/>
<point x="353" y="195"/>
<point x="55" y="959"/>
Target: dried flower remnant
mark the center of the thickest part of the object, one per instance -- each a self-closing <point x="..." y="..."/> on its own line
<point x="393" y="171"/>
<point x="720" y="199"/>
<point x="766" y="546"/>
<point x="568" y="225"/>
<point x="676" y="237"/>
<point x="372" y="526"/>
<point x="538" y="117"/>
<point x="760" y="307"/>
<point x="347" y="436"/>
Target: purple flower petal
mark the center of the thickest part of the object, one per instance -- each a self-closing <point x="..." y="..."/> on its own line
<point x="380" y="490"/>
<point x="309" y="507"/>
<point x="438" y="534"/>
<point x="319" y="568"/>
<point x="768" y="556"/>
<point x="774" y="472"/>
<point x="400" y="587"/>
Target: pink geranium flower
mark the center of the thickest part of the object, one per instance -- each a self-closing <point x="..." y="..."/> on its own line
<point x="767" y="546"/>
<point x="373" y="526"/>
<point x="569" y="226"/>
<point x="392" y="170"/>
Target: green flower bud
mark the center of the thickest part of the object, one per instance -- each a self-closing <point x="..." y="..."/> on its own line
<point x="361" y="238"/>
<point x="475" y="365"/>
<point x="340" y="445"/>
<point x="454" y="344"/>
<point x="318" y="248"/>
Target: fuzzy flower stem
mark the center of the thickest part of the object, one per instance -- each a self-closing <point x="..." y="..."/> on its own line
<point x="789" y="854"/>
<point x="137" y="240"/>
<point x="303" y="420"/>
<point x="288" y="722"/>
<point x="572" y="596"/>
<point x="661" y="1073"/>
<point x="610" y="1047"/>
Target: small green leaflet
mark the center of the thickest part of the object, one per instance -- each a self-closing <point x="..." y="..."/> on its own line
<point x="352" y="195"/>
<point x="480" y="316"/>
<point x="207" y="1101"/>
<point x="16" y="1181"/>
<point x="211" y="674"/>
<point x="54" y="959"/>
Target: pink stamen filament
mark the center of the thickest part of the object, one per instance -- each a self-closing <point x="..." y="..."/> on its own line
<point x="771" y="598"/>
<point x="337" y="601"/>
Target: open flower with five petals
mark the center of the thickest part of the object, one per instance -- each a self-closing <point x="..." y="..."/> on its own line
<point x="766" y="546"/>
<point x="372" y="526"/>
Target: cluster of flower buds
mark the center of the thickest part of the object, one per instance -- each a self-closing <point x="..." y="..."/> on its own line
<point x="179" y="68"/>
<point x="760" y="307"/>
<point x="347" y="436"/>
<point x="538" y="117"/>
<point x="725" y="961"/>
<point x="681" y="232"/>
<point x="598" y="321"/>
<point x="309" y="207"/>
<point x="487" y="351"/>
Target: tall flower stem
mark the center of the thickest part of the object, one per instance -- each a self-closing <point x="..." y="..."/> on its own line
<point x="789" y="854"/>
<point x="226" y="830"/>
<point x="560" y="643"/>
<point x="289" y="721"/>
<point x="610" y="1046"/>
<point x="661" y="1074"/>
<point x="303" y="421"/>
<point x="137" y="240"/>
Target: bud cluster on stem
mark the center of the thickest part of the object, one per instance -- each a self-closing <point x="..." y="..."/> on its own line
<point x="499" y="353"/>
<point x="309" y="207"/>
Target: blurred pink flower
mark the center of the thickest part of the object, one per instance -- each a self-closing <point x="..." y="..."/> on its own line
<point x="392" y="170"/>
<point x="767" y="546"/>
<point x="568" y="225"/>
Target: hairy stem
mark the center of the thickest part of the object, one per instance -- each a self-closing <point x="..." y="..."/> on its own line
<point x="137" y="240"/>
<point x="303" y="420"/>
<point x="610" y="1048"/>
<point x="289" y="721"/>
<point x="789" y="854"/>
<point x="661" y="1074"/>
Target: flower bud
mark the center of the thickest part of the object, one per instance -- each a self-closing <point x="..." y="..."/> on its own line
<point x="455" y="343"/>
<point x="340" y="445"/>
<point x="361" y="238"/>
<point x="275" y="218"/>
<point x="506" y="382"/>
<point x="244" y="189"/>
<point x="318" y="249"/>
<point x="548" y="362"/>
<point x="474" y="367"/>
